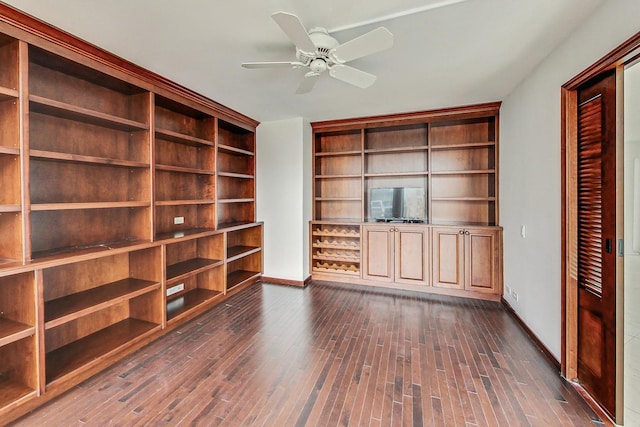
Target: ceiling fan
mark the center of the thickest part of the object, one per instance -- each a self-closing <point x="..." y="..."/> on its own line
<point x="318" y="51"/>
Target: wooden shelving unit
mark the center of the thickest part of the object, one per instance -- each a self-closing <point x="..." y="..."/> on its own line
<point x="93" y="307"/>
<point x="243" y="255"/>
<point x="336" y="248"/>
<point x="18" y="372"/>
<point x="89" y="173"/>
<point x="464" y="172"/>
<point x="236" y="175"/>
<point x="120" y="194"/>
<point x="185" y="170"/>
<point x="446" y="159"/>
<point x="10" y="162"/>
<point x="195" y="274"/>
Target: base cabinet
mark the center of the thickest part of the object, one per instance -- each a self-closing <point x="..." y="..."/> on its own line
<point x="460" y="261"/>
<point x="467" y="259"/>
<point x="396" y="254"/>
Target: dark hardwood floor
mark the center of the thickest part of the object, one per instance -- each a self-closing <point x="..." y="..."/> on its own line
<point x="328" y="355"/>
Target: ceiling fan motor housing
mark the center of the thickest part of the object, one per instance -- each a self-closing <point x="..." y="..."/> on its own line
<point x="324" y="43"/>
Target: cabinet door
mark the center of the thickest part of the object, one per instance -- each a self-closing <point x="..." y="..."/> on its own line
<point x="411" y="261"/>
<point x="378" y="249"/>
<point x="481" y="255"/>
<point x="448" y="258"/>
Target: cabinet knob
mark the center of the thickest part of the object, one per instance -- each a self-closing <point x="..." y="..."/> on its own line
<point x="461" y="232"/>
<point x="395" y="229"/>
<point x="466" y="232"/>
<point x="391" y="229"/>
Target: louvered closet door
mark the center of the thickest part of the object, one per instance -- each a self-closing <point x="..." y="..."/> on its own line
<point x="596" y="239"/>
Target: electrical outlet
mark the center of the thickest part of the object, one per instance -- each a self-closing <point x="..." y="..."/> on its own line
<point x="178" y="220"/>
<point x="515" y="295"/>
<point x="175" y="289"/>
<point x="523" y="231"/>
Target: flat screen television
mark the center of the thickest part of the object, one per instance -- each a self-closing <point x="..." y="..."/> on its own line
<point x="398" y="204"/>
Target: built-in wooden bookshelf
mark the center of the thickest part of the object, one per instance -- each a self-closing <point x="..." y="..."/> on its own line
<point x="96" y="307"/>
<point x="447" y="159"/>
<point x="127" y="207"/>
<point x="236" y="175"/>
<point x="243" y="255"/>
<point x="18" y="338"/>
<point x="185" y="170"/>
<point x="195" y="274"/>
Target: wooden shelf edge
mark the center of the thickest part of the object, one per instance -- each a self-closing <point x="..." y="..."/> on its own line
<point x="236" y="175"/>
<point x="67" y="255"/>
<point x="40" y="207"/>
<point x="78" y="158"/>
<point x="238" y="277"/>
<point x="234" y="150"/>
<point x="7" y="93"/>
<point x="337" y="258"/>
<point x="181" y="270"/>
<point x="407" y="149"/>
<point x="184" y="202"/>
<point x="178" y="236"/>
<point x="336" y="271"/>
<point x="338" y="153"/>
<point x="88" y="351"/>
<point x="394" y="174"/>
<point x="71" y="112"/>
<point x="180" y="169"/>
<point x="191" y="301"/>
<point x="233" y="226"/>
<point x="10" y="208"/>
<point x="338" y="199"/>
<point x="329" y="234"/>
<point x="11" y="331"/>
<point x="348" y="176"/>
<point x="94" y="302"/>
<point x="479" y="144"/>
<point x="331" y="246"/>
<point x="243" y="254"/>
<point x="182" y="138"/>
<point x="465" y="172"/>
<point x="13" y="395"/>
<point x="9" y="150"/>
<point x="224" y="201"/>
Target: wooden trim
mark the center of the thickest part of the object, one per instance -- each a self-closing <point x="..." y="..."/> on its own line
<point x="569" y="295"/>
<point x="422" y="289"/>
<point x="47" y="32"/>
<point x="620" y="55"/>
<point x="299" y="283"/>
<point x="543" y="348"/>
<point x="619" y="315"/>
<point x="601" y="413"/>
<point x="464" y="112"/>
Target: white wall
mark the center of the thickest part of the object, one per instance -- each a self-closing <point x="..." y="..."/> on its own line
<point x="530" y="178"/>
<point x="283" y="196"/>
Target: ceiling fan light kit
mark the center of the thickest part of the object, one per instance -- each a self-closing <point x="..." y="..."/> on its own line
<point x="319" y="51"/>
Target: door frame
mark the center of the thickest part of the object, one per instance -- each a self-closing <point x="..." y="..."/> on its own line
<point x="624" y="54"/>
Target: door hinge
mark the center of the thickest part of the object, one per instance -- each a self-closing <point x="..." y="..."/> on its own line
<point x="620" y="247"/>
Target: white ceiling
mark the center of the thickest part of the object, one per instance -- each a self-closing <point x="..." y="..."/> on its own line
<point x="461" y="53"/>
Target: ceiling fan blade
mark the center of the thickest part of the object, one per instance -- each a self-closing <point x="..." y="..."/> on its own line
<point x="294" y="29"/>
<point x="308" y="83"/>
<point x="372" y="42"/>
<point x="352" y="76"/>
<point x="272" y="64"/>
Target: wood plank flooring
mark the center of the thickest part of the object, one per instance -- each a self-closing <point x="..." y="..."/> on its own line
<point x="330" y="355"/>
